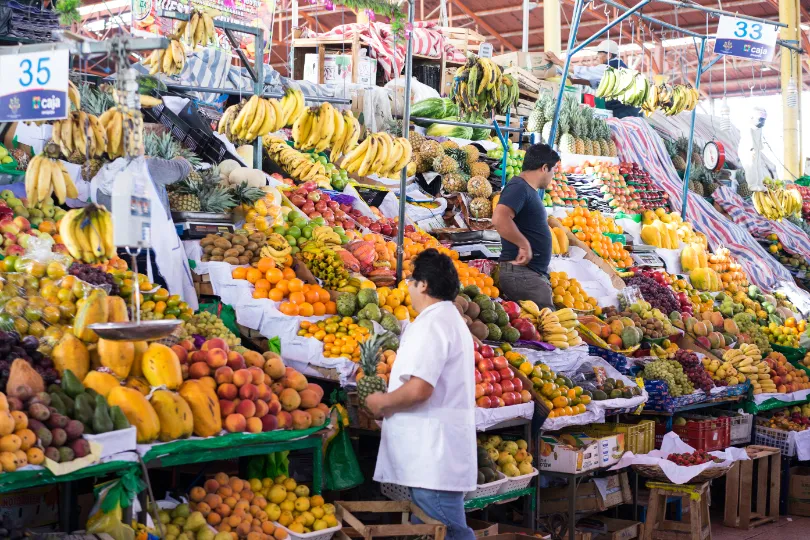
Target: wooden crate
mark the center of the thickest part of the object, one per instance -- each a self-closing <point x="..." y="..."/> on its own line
<point x="322" y="46"/>
<point x="354" y="528"/>
<point x="202" y="284"/>
<point x="528" y="84"/>
<point x="464" y="39"/>
<point x="741" y="493"/>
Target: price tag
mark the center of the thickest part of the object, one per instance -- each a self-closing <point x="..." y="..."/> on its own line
<point x="34" y="86"/>
<point x="485" y="50"/>
<point x="745" y="39"/>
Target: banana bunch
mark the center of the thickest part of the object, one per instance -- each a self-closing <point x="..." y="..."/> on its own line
<point x="480" y="86"/>
<point x="300" y="166"/>
<point x="633" y="88"/>
<point x="124" y="130"/>
<point x="292" y="105"/>
<point x="277" y="248"/>
<point x="170" y="60"/>
<point x="326" y="236"/>
<point x="681" y="98"/>
<point x="378" y="154"/>
<point x="74" y="96"/>
<point x="80" y="132"/>
<point x="255" y="117"/>
<point x="558" y="328"/>
<point x="199" y="29"/>
<point x="777" y="203"/>
<point x="353" y="285"/>
<point x="325" y="127"/>
<point x="47" y="175"/>
<point x="88" y="234"/>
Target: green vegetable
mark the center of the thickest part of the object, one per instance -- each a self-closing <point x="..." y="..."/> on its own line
<point x="118" y="419"/>
<point x="442" y="130"/>
<point x="71" y="385"/>
<point x="102" y="423"/>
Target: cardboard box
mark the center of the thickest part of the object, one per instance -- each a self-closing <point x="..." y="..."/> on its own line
<point x="338" y="69"/>
<point x="589" y="498"/>
<point x="533" y="62"/>
<point x="482" y="528"/>
<point x="589" y="453"/>
<point x="34" y="507"/>
<point x="614" y="529"/>
<point x="799" y="491"/>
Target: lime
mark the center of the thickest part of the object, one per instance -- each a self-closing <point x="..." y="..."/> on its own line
<point x="291" y="240"/>
<point x="319" y="221"/>
<point x="280" y="229"/>
<point x="294" y="231"/>
<point x="300" y="222"/>
<point x="340" y="230"/>
<point x="306" y="232"/>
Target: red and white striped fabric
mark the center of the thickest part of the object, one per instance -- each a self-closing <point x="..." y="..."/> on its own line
<point x="638" y="142"/>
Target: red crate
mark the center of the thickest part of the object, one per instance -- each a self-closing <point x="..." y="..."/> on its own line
<point x="700" y="432"/>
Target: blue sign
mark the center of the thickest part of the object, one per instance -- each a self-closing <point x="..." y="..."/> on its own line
<point x="745" y="39"/>
<point x="34" y="86"/>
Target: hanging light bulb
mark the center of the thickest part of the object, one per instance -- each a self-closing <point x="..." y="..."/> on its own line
<point x="725" y="115"/>
<point x="792" y="94"/>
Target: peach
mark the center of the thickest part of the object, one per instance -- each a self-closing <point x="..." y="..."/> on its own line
<point x="187" y="344"/>
<point x="198" y="356"/>
<point x="246" y="408"/>
<point x="317" y="389"/>
<point x="276" y="388"/>
<point x="181" y="352"/>
<point x="184" y="371"/>
<point x="211" y="486"/>
<point x="234" y="356"/>
<point x="248" y="391"/>
<point x="269" y="422"/>
<point x="257" y="374"/>
<point x="254" y="425"/>
<point x="198" y="370"/>
<point x="296" y="381"/>
<point x="243" y="529"/>
<point x="215" y="343"/>
<point x="226" y="407"/>
<point x="237" y="363"/>
<point x="309" y="399"/>
<point x="274" y="365"/>
<point x="261" y="408"/>
<point x="267" y="379"/>
<point x="284" y="420"/>
<point x="203" y="508"/>
<point x="197" y="493"/>
<point x="264" y="392"/>
<point x="227" y="391"/>
<point x="273" y="406"/>
<point x="217" y="358"/>
<point x="252" y="358"/>
<point x="237" y="485"/>
<point x="235" y="423"/>
<point x="213" y="500"/>
<point x="241" y="377"/>
<point x="230" y="500"/>
<point x="290" y="399"/>
<point x="223" y="510"/>
<point x="324" y="407"/>
<point x="301" y="419"/>
<point x="222" y="479"/>
<point x="318" y="417"/>
<point x="214" y="518"/>
<point x="223" y="375"/>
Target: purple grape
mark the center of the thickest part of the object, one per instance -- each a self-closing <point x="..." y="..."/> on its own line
<point x="30" y="343"/>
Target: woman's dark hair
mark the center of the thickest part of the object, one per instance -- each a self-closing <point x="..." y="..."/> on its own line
<point x="438" y="272"/>
<point x="538" y="155"/>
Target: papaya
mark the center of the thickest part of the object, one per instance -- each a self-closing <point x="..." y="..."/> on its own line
<point x="555" y="245"/>
<point x="204" y="405"/>
<point x="651" y="235"/>
<point x="161" y="367"/>
<point x="137" y="364"/>
<point x="117" y="309"/>
<point x="562" y="239"/>
<point x="70" y="353"/>
<point x="138" y="410"/>
<point x="101" y="382"/>
<point x="118" y="356"/>
<point x="176" y="419"/>
<point x="90" y="310"/>
<point x="138" y="383"/>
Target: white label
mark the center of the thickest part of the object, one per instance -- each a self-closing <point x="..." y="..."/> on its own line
<point x="34" y="86"/>
<point x="745" y="39"/>
<point x="485" y="50"/>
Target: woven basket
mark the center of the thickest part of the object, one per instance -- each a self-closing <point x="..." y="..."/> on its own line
<point x="654" y="472"/>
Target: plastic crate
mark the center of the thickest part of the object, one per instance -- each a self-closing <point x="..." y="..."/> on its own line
<point x="487" y="490"/>
<point x="324" y="534"/>
<point x="638" y="438"/>
<point x="776" y="438"/>
<point x="395" y="492"/>
<point x="700" y="432"/>
<point x="189" y="137"/>
<point x="741" y="426"/>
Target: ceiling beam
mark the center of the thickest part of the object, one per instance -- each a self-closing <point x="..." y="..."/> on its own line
<point x="318" y="27"/>
<point x="485" y="25"/>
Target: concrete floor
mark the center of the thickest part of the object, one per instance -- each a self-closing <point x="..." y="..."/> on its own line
<point x="787" y="528"/>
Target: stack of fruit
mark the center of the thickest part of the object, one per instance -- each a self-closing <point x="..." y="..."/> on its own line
<point x="487" y="319"/>
<point x="651" y="321"/>
<point x="731" y="274"/>
<point x="181" y="521"/>
<point x="341" y="337"/>
<point x="19" y="435"/>
<point x="694" y="369"/>
<point x="293" y="507"/>
<point x="314" y="203"/>
<point x="737" y="366"/>
<point x="559" y="193"/>
<point x="556" y="328"/>
<point x="514" y="161"/>
<point x="644" y="194"/>
<point x="495" y="383"/>
<point x="698" y="457"/>
<point x="486" y="464"/>
<point x="797" y="419"/>
<point x="786" y="336"/>
<point x="512" y="457"/>
<point x="610" y="388"/>
<point x="233" y="248"/>
<point x="671" y="372"/>
<point x="208" y="325"/>
<point x="620" y="334"/>
<point x="782" y="375"/>
<point x="590" y="227"/>
<point x="559" y="394"/>
<point x="175" y="308"/>
<point x="568" y="292"/>
<point x="777" y="201"/>
<point x="384" y="366"/>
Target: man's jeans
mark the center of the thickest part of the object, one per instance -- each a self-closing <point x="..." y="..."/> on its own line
<point x="447" y="507"/>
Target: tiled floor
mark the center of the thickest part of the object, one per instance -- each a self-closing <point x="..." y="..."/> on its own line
<point x="788" y="528"/>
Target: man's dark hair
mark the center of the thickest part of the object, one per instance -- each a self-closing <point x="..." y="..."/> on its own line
<point x="538" y="155"/>
<point x="437" y="270"/>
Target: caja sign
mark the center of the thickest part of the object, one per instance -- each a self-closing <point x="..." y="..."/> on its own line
<point x="34" y="85"/>
<point x="745" y="39"/>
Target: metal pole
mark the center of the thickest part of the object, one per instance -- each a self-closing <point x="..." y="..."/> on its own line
<point x="572" y="39"/>
<point x="692" y="134"/>
<point x="712" y="11"/>
<point x="258" y="89"/>
<point x="236" y="92"/>
<point x="406" y="119"/>
<point x="657" y="21"/>
<point x="462" y="124"/>
<point x="613" y="23"/>
<point x="525" y="46"/>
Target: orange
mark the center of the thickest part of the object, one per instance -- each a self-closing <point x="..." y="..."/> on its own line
<point x="253" y="275"/>
<point x="283" y="286"/>
<point x="319" y="308"/>
<point x="265" y="264"/>
<point x="239" y="273"/>
<point x="288" y="308"/>
<point x="305" y="309"/>
<point x="331" y="308"/>
<point x="488" y="281"/>
<point x="288" y="273"/>
<point x="263" y="284"/>
<point x="323" y="295"/>
<point x="275" y="294"/>
<point x="495" y="292"/>
<point x="297" y="298"/>
<point x="296" y="285"/>
<point x="260" y="293"/>
<point x="274" y="275"/>
<point x="311" y="296"/>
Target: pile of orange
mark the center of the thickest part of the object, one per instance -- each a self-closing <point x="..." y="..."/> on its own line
<point x="569" y="293"/>
<point x="469" y="275"/>
<point x="341" y="337"/>
<point x="590" y="227"/>
<point x="558" y="393"/>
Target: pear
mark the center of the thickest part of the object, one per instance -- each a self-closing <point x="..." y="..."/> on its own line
<point x="194" y="522"/>
<point x="181" y="510"/>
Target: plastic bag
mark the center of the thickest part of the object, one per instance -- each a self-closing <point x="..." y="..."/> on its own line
<point x="341" y="466"/>
<point x="111" y="498"/>
<point x="224" y="312"/>
<point x="629" y="296"/>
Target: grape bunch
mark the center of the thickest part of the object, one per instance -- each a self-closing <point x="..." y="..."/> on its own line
<point x="207" y="325"/>
<point x="658" y="295"/>
<point x="93" y="276"/>
<point x="12" y="347"/>
<point x="671" y="372"/>
<point x="694" y="369"/>
<point x="746" y="322"/>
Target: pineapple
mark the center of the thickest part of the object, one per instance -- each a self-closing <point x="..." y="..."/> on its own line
<point x="567" y="144"/>
<point x="91" y="167"/>
<point x="696" y="187"/>
<point x="613" y="151"/>
<point x="166" y="147"/>
<point x="461" y="158"/>
<point x="93" y="100"/>
<point x="742" y="187"/>
<point x="216" y="199"/>
<point x="472" y="153"/>
<point x="578" y="128"/>
<point x="431" y="149"/>
<point x="444" y="164"/>
<point x="481" y="208"/>
<point x="596" y="149"/>
<point x="454" y="182"/>
<point x="449" y="145"/>
<point x="185" y="197"/>
<point x="22" y="157"/>
<point x="537" y="118"/>
<point x="478" y="186"/>
<point x="242" y="193"/>
<point x="548" y="114"/>
<point x="370" y="352"/>
<point x="587" y="135"/>
<point x="423" y="163"/>
<point x="416" y="140"/>
<point x="604" y="146"/>
<point x="479" y="168"/>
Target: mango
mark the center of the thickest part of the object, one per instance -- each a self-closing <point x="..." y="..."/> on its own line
<point x="138" y="411"/>
<point x="70" y="353"/>
<point x="204" y="405"/>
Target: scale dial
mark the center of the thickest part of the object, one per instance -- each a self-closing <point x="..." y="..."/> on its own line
<point x="714" y="156"/>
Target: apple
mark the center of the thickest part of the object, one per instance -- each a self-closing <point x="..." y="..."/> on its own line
<point x="507" y="386"/>
<point x="483" y="402"/>
<point x="497" y="389"/>
<point x="518" y="384"/>
<point x="486" y="364"/>
<point x="487" y="352"/>
<point x="478" y="377"/>
<point x="506" y="373"/>
<point x="500" y="362"/>
<point x="495" y="376"/>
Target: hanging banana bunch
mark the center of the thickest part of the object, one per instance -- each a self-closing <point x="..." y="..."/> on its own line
<point x="480" y="86"/>
<point x="124" y="129"/>
<point x="170" y="60"/>
<point x="378" y="154"/>
<point x="79" y="135"/>
<point x="199" y="30"/>
<point x="46" y="175"/>
<point x="74" y="95"/>
<point x="633" y="88"/>
<point x="255" y="117"/>
<point x="325" y="127"/>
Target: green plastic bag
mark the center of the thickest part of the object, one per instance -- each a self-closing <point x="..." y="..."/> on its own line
<point x="223" y="312"/>
<point x="341" y="467"/>
<point x="269" y="466"/>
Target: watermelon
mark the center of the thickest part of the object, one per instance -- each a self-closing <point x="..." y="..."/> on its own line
<point x="442" y="130"/>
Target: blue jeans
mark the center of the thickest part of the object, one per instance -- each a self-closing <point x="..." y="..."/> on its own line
<point x="444" y="506"/>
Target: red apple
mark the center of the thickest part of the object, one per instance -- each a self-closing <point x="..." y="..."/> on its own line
<point x="483" y="402"/>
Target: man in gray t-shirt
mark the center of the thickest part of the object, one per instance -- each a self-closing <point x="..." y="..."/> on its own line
<point x="520" y="219"/>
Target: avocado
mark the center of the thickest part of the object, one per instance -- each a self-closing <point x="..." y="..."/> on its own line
<point x="472" y="291"/>
<point x="615" y="394"/>
<point x="488" y="316"/>
<point x="627" y="393"/>
<point x="599" y="395"/>
<point x="481" y="479"/>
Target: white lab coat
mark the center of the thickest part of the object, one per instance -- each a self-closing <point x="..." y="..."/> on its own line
<point x="751" y="158"/>
<point x="432" y="445"/>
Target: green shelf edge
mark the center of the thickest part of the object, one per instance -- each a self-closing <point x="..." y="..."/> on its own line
<point x="483" y="502"/>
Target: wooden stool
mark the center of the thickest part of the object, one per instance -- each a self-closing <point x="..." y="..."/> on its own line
<point x="742" y="493"/>
<point x="698" y="527"/>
